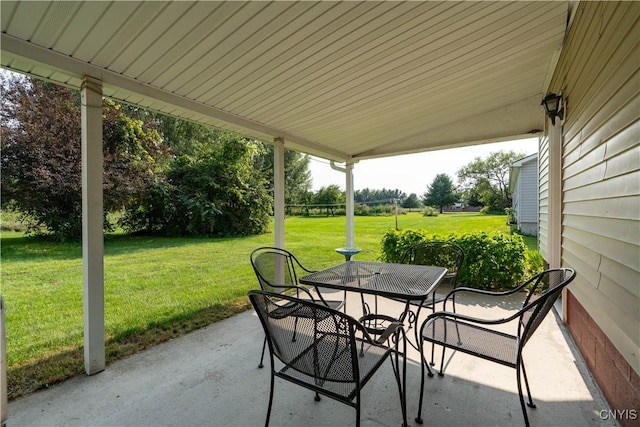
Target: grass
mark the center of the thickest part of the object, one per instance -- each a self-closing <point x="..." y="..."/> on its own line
<point x="159" y="288"/>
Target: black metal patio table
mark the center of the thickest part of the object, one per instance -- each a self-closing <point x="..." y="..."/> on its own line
<point x="407" y="282"/>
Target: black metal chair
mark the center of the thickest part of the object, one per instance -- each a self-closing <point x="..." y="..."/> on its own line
<point x="480" y="338"/>
<point x="277" y="271"/>
<point x="332" y="354"/>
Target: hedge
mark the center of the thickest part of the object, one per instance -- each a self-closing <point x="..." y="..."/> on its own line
<point x="492" y="261"/>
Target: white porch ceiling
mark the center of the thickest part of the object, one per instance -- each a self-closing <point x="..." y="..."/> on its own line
<point x="341" y="80"/>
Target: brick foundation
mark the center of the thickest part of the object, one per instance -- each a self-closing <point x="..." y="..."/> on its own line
<point x="619" y="383"/>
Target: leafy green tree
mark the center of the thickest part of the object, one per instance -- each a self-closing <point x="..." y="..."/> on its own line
<point x="41" y="155"/>
<point x="297" y="176"/>
<point x="378" y="197"/>
<point x="411" y="202"/>
<point x="441" y="192"/>
<point x="330" y="197"/>
<point x="488" y="179"/>
<point x="216" y="194"/>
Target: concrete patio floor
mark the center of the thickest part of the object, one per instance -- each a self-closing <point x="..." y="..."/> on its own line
<point x="210" y="378"/>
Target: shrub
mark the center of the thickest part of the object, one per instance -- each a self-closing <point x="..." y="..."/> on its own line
<point x="430" y="211"/>
<point x="492" y="262"/>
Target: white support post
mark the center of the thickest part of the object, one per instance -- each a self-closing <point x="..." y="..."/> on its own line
<point x="349" y="208"/>
<point x="350" y="250"/>
<point x="92" y="227"/>
<point x="278" y="192"/>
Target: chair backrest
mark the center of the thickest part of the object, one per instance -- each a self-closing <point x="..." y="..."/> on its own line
<point x="536" y="305"/>
<point x="441" y="254"/>
<point x="324" y="345"/>
<point x="274" y="268"/>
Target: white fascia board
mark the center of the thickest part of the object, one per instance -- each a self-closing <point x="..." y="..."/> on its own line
<point x="77" y="70"/>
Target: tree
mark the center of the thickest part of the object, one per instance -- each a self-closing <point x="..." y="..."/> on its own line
<point x="41" y="155"/>
<point x="330" y="197"/>
<point x="411" y="202"/>
<point x="378" y="197"/>
<point x="488" y="179"/>
<point x="216" y="194"/>
<point x="297" y="176"/>
<point x="441" y="192"/>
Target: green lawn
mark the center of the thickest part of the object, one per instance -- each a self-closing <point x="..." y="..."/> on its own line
<point x="157" y="288"/>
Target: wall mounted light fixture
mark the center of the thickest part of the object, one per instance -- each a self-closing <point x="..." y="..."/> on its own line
<point x="553" y="106"/>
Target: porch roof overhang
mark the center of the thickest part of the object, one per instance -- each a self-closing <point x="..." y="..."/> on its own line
<point x="341" y="80"/>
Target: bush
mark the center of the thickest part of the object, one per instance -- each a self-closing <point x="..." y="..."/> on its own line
<point x="214" y="195"/>
<point x="362" y="209"/>
<point x="430" y="211"/>
<point x="492" y="262"/>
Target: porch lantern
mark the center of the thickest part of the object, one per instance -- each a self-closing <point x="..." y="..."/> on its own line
<point x="553" y="106"/>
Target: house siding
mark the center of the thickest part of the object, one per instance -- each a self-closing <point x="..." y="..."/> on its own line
<point x="598" y="75"/>
<point x="528" y="206"/>
<point x="524" y="184"/>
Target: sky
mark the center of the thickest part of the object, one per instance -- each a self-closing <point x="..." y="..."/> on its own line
<point x="411" y="173"/>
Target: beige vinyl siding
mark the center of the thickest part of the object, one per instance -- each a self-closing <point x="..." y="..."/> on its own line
<point x="598" y="74"/>
<point x="543" y="198"/>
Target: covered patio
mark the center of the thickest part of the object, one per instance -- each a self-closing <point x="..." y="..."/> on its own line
<point x="345" y="81"/>
<point x="210" y="377"/>
<point x="350" y="81"/>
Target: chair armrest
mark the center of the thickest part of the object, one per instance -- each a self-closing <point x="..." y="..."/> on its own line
<point x="460" y="289"/>
<point x="469" y="319"/>
<point x="296" y="288"/>
<point x="391" y="329"/>
<point x="366" y="336"/>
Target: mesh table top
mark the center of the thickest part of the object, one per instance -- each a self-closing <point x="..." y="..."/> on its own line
<point x="406" y="281"/>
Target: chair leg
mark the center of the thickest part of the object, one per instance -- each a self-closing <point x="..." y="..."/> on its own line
<point x="358" y="409"/>
<point x="264" y="347"/>
<point x="273" y="378"/>
<point x="423" y="364"/>
<point x="433" y="345"/>
<point x="402" y="381"/>
<point x="522" y="405"/>
<point x="526" y="383"/>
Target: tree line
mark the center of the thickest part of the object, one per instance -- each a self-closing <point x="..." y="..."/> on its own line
<point x="171" y="177"/>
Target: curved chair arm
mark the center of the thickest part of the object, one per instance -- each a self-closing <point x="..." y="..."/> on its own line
<point x="470" y="319"/>
<point x="391" y="329"/>
<point x="528" y="305"/>
<point x="297" y="288"/>
<point x="384" y="336"/>
<point x="455" y="291"/>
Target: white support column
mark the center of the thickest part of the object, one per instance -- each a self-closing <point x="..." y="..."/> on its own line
<point x="555" y="196"/>
<point x="278" y="192"/>
<point x="349" y="202"/>
<point x="92" y="231"/>
<point x="349" y="250"/>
